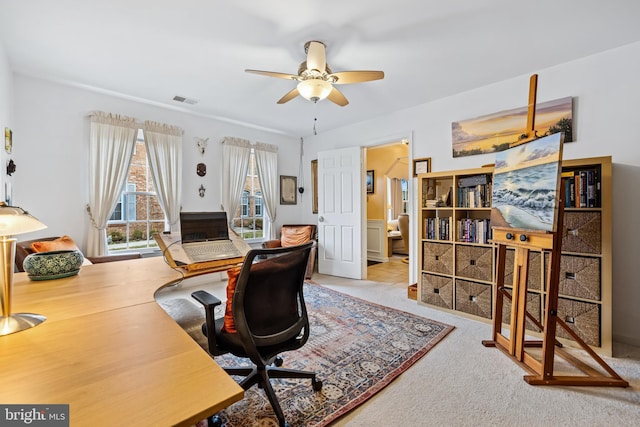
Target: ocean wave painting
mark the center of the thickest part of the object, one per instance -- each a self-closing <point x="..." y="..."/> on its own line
<point x="525" y="185"/>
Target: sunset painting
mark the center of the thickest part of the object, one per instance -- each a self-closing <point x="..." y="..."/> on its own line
<point x="525" y="185"/>
<point x="495" y="132"/>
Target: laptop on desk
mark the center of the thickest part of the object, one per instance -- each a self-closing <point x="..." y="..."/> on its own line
<point x="205" y="237"/>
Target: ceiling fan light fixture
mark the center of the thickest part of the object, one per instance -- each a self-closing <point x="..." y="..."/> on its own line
<point x="314" y="89"/>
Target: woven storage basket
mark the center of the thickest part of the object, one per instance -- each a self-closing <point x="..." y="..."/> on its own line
<point x="438" y="257"/>
<point x="473" y="298"/>
<point x="534" y="307"/>
<point x="581" y="232"/>
<point x="582" y="317"/>
<point x="534" y="279"/>
<point x="474" y="262"/>
<point x="580" y="277"/>
<point x="437" y="290"/>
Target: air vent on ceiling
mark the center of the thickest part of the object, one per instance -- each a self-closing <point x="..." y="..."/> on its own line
<point x="179" y="98"/>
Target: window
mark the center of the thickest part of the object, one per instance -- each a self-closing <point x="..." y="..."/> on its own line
<point x="397" y="197"/>
<point x="248" y="220"/>
<point x="126" y="199"/>
<point x="258" y="202"/>
<point x="245" y="203"/>
<point x="137" y="215"/>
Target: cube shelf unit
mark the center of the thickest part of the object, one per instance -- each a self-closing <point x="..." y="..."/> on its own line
<point x="457" y="259"/>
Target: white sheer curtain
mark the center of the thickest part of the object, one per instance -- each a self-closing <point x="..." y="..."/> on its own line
<point x="235" y="164"/>
<point x="111" y="142"/>
<point x="164" y="151"/>
<point x="267" y="164"/>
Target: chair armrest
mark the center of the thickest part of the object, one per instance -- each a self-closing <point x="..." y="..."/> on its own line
<point x="111" y="258"/>
<point x="271" y="244"/>
<point x="209" y="328"/>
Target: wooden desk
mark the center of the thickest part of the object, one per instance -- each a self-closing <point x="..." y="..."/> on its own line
<point x="109" y="351"/>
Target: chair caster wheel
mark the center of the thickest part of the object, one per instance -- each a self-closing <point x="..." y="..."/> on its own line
<point x="215" y="421"/>
<point x="279" y="361"/>
<point x="317" y="385"/>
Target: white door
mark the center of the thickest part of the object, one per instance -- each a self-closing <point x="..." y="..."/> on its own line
<point x="341" y="244"/>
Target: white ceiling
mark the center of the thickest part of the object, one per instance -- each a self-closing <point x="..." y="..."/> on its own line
<point x="151" y="50"/>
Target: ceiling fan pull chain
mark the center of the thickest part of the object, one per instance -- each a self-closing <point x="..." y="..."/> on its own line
<point x="300" y="176"/>
<point x="314" y="125"/>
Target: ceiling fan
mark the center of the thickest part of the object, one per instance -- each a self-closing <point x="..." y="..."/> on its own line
<point x="316" y="79"/>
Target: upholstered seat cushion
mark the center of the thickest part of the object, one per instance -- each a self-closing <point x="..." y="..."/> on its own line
<point x="296" y="235"/>
<point x="229" y="324"/>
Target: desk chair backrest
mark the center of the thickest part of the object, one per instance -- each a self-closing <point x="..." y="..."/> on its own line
<point x="268" y="304"/>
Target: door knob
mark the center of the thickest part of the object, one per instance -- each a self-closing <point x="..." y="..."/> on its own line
<point x="321" y="219"/>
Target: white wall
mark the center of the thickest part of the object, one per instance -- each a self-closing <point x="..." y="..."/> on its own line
<point x="51" y="134"/>
<point x="6" y="115"/>
<point x="606" y="90"/>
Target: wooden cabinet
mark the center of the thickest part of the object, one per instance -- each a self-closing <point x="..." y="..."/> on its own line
<point x="457" y="259"/>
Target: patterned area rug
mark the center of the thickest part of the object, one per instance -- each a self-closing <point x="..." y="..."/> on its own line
<point x="356" y="348"/>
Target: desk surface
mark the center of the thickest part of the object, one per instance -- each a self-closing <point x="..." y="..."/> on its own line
<point x="110" y="351"/>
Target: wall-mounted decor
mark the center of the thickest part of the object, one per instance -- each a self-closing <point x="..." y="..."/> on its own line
<point x="371" y="182"/>
<point x="11" y="167"/>
<point x="495" y="132"/>
<point x="8" y="193"/>
<point x="525" y="185"/>
<point x="201" y="143"/>
<point x="201" y="169"/>
<point x="201" y="190"/>
<point x="288" y="190"/>
<point x="8" y="140"/>
<point x="314" y="186"/>
<point x="421" y="166"/>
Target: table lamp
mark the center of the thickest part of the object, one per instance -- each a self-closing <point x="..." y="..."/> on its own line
<point x="13" y="220"/>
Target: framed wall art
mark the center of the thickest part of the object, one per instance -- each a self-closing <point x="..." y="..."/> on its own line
<point x="421" y="166"/>
<point x="371" y="182"/>
<point x="288" y="187"/>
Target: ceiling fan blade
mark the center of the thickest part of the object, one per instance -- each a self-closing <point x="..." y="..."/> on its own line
<point x="289" y="96"/>
<point x="316" y="56"/>
<point x="274" y="74"/>
<point x="337" y="97"/>
<point x="346" y="77"/>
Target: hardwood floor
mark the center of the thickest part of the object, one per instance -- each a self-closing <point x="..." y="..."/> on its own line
<point x="395" y="271"/>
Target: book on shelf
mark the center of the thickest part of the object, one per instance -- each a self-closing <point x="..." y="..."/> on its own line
<point x="581" y="188"/>
<point x="474" y="192"/>
<point x="474" y="230"/>
<point x="438" y="228"/>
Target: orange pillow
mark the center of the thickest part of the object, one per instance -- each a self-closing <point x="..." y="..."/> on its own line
<point x="229" y="325"/>
<point x="64" y="243"/>
<point x="293" y="236"/>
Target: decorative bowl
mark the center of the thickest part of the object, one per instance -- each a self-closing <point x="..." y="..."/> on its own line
<point x="53" y="265"/>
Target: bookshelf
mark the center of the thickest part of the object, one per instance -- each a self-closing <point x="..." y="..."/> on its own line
<point x="457" y="259"/>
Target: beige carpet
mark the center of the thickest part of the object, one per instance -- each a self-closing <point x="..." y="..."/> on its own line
<point x="462" y="383"/>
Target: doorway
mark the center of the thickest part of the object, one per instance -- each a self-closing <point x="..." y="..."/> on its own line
<point x="388" y="197"/>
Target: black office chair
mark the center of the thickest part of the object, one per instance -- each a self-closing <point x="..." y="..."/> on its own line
<point x="270" y="317"/>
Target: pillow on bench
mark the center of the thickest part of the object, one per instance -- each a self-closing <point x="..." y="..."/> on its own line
<point x="64" y="243"/>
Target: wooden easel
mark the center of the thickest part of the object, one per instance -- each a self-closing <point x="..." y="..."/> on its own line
<point x="542" y="371"/>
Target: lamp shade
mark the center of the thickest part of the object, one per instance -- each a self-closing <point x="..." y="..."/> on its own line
<point x="314" y="89"/>
<point x="15" y="220"/>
